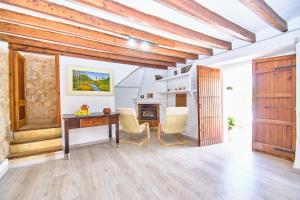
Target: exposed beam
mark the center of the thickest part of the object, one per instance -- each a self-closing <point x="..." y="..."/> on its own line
<point x="18" y="47"/>
<point x="66" y="39"/>
<point x="91" y="34"/>
<point x="80" y="51"/>
<point x="64" y="12"/>
<point x="266" y="13"/>
<point x="156" y="22"/>
<point x="196" y="10"/>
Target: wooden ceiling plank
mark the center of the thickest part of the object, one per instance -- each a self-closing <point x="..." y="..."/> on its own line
<point x="196" y="10"/>
<point x="66" y="39"/>
<point x="31" y="49"/>
<point x="78" y="50"/>
<point x="63" y="12"/>
<point x="266" y="13"/>
<point x="90" y="34"/>
<point x="154" y="21"/>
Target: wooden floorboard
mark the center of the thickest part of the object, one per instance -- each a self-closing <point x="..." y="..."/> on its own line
<point x="104" y="171"/>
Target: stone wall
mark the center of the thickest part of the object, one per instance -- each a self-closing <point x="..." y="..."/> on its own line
<point x="41" y="91"/>
<point x="4" y="103"/>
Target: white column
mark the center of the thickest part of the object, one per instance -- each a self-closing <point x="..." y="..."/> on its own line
<point x="297" y="158"/>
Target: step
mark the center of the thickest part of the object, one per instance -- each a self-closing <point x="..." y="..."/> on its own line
<point x="41" y="151"/>
<point x="36" y="134"/>
<point x="32" y="146"/>
<point x="38" y="139"/>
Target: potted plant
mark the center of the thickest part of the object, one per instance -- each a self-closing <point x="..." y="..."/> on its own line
<point x="231" y="125"/>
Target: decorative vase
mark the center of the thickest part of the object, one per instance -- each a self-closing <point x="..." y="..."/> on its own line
<point x="106" y="111"/>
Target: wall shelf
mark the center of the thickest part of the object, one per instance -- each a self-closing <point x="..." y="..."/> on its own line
<point x="173" y="77"/>
<point x="175" y="92"/>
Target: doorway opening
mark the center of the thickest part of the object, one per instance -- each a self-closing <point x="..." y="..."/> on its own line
<point x="35" y="101"/>
<point x="237" y="101"/>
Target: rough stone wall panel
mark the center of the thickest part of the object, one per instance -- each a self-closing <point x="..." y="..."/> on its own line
<point x="41" y="91"/>
<point x="4" y="103"/>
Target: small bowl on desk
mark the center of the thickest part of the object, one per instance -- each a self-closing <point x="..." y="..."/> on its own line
<point x="106" y="111"/>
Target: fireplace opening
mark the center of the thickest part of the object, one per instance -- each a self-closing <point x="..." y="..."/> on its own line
<point x="149" y="113"/>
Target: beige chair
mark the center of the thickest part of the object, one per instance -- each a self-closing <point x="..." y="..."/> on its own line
<point x="174" y="123"/>
<point x="130" y="125"/>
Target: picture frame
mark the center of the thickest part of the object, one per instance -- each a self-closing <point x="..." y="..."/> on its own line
<point x="85" y="81"/>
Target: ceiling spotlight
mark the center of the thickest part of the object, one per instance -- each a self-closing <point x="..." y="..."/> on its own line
<point x="145" y="45"/>
<point x="131" y="42"/>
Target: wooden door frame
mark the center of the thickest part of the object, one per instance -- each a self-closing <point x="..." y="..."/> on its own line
<point x="12" y="56"/>
<point x="277" y="58"/>
<point x="12" y="105"/>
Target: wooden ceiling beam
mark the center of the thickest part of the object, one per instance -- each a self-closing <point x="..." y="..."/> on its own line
<point x="266" y="13"/>
<point x="71" y="40"/>
<point x="64" y="12"/>
<point x="81" y="51"/>
<point x="156" y="22"/>
<point x="196" y="10"/>
<point x="18" y="47"/>
<point x="91" y="34"/>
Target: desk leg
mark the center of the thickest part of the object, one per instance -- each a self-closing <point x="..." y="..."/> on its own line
<point x="110" y="131"/>
<point x="67" y="149"/>
<point x="117" y="133"/>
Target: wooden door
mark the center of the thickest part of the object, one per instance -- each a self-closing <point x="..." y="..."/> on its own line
<point x="274" y="102"/>
<point x="209" y="106"/>
<point x="18" y="96"/>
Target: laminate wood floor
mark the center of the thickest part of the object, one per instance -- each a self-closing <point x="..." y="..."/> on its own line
<point x="104" y="171"/>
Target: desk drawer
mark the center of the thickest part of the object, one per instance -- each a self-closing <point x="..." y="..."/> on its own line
<point x="93" y="122"/>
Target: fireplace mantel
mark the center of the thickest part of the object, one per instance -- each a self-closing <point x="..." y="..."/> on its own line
<point x="149" y="101"/>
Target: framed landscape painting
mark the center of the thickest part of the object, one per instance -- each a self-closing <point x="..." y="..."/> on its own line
<point x="89" y="81"/>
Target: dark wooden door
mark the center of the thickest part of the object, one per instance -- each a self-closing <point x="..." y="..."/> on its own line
<point x="274" y="102"/>
<point x="209" y="106"/>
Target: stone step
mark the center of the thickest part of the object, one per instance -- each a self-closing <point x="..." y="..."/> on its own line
<point x="36" y="134"/>
<point x="41" y="151"/>
<point x="34" y="146"/>
<point x="37" y="139"/>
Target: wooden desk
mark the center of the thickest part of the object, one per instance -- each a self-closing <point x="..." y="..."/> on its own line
<point x="95" y="119"/>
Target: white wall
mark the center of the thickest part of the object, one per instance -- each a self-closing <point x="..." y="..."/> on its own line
<point x="297" y="158"/>
<point x="127" y="90"/>
<point x="69" y="104"/>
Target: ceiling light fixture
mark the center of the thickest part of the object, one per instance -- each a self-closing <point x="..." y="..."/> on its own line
<point x="145" y="45"/>
<point x="131" y="42"/>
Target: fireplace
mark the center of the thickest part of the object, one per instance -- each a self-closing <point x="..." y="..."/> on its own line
<point x="149" y="113"/>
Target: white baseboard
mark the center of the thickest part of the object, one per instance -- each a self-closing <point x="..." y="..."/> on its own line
<point x="3" y="167"/>
<point x="297" y="164"/>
